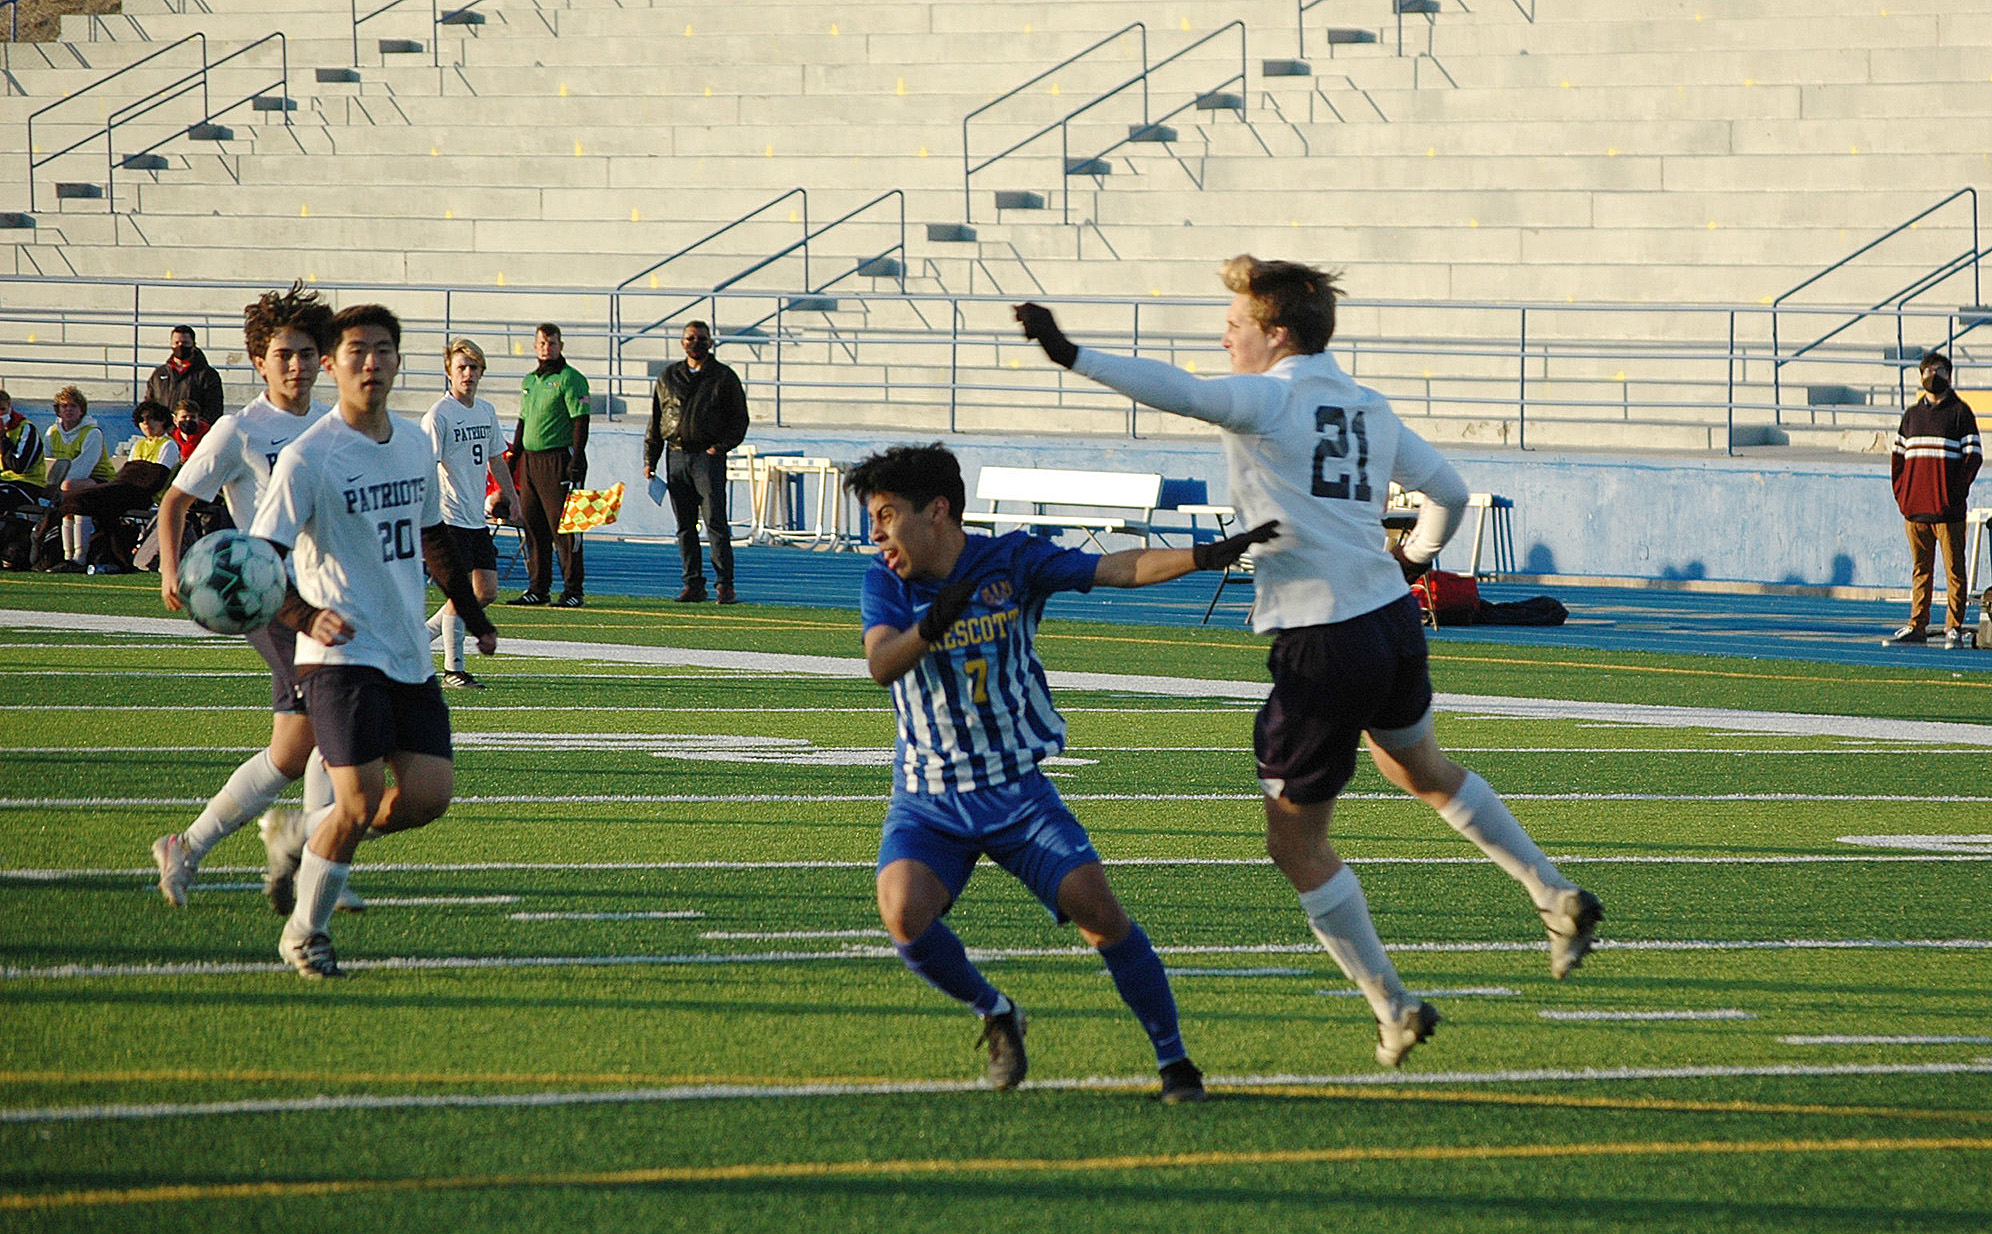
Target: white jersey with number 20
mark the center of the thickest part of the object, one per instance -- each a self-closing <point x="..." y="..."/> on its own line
<point x="354" y="509"/>
<point x="1308" y="446"/>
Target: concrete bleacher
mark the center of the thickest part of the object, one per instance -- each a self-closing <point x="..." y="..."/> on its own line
<point x="1602" y="152"/>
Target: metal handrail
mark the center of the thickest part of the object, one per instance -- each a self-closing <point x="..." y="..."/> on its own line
<point x="1518" y="364"/>
<point x="1148" y="122"/>
<point x="1973" y="256"/>
<point x="817" y="288"/>
<point x="1300" y="8"/>
<point x="166" y="94"/>
<point x="1064" y="123"/>
<point x="968" y="203"/>
<point x="34" y="163"/>
<point x="618" y="336"/>
<point x="435" y="27"/>
<point x="754" y="328"/>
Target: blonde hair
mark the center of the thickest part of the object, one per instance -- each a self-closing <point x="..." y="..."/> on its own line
<point x="70" y="394"/>
<point x="1299" y="298"/>
<point x="465" y="347"/>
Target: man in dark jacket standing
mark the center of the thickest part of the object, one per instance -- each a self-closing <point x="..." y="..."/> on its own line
<point x="1936" y="455"/>
<point x="187" y="377"/>
<point x="698" y="412"/>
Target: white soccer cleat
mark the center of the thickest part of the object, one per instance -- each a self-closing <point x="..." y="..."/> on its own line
<point x="349" y="902"/>
<point x="284" y="837"/>
<point x="1572" y="922"/>
<point x="176" y="873"/>
<point x="1394" y="1038"/>
<point x="312" y="957"/>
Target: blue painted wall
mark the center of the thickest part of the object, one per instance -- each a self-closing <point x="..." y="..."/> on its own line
<point x="1641" y="517"/>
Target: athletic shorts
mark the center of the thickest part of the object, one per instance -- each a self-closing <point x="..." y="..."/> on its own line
<point x="475" y="547"/>
<point x="1331" y="684"/>
<point x="359" y="714"/>
<point x="1022" y="826"/>
<point x="277" y="644"/>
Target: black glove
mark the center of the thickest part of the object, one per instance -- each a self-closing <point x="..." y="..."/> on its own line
<point x="946" y="609"/>
<point x="1227" y="552"/>
<point x="1413" y="570"/>
<point x="1042" y="327"/>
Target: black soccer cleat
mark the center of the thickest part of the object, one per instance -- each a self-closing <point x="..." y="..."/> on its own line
<point x="1182" y="1083"/>
<point x="1004" y="1035"/>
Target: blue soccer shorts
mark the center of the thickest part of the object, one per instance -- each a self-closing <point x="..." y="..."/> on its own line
<point x="1023" y="826"/>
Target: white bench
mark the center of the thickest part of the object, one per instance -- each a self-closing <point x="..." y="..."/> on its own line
<point x="1129" y="498"/>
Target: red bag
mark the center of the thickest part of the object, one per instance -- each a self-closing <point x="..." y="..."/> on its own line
<point x="1447" y="597"/>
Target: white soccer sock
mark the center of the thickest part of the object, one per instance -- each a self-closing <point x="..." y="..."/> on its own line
<point x="317" y="783"/>
<point x="250" y="791"/>
<point x="319" y="883"/>
<point x="85" y="528"/>
<point x="69" y="552"/>
<point x="436" y="619"/>
<point x="453" y="644"/>
<point x="1479" y="815"/>
<point x="1341" y="920"/>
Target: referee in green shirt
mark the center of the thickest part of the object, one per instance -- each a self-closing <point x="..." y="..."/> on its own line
<point x="553" y="438"/>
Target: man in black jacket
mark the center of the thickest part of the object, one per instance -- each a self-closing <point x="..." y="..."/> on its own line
<point x="188" y="376"/>
<point x="1936" y="456"/>
<point x="698" y="412"/>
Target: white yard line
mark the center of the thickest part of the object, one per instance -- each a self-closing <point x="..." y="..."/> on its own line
<point x="1615" y="1016"/>
<point x="769" y="1092"/>
<point x="52" y="875"/>
<point x="856" y="951"/>
<point x="513" y="799"/>
<point x="852" y="668"/>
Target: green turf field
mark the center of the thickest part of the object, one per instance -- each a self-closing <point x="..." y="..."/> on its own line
<point x="635" y="979"/>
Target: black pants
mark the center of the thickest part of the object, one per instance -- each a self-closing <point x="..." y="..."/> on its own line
<point x="697" y="483"/>
<point x="543" y="493"/>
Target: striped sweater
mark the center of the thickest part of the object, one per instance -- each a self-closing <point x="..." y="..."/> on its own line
<point x="1936" y="455"/>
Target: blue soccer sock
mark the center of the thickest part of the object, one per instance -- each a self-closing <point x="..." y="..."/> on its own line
<point x="1144" y="986"/>
<point x="939" y="959"/>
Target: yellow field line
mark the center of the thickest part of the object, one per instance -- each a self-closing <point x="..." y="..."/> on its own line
<point x="1338" y="1092"/>
<point x="765" y="1171"/>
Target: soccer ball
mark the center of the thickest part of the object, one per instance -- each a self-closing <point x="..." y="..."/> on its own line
<point x="232" y="583"/>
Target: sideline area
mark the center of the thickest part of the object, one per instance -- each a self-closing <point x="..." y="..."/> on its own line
<point x="1773" y="627"/>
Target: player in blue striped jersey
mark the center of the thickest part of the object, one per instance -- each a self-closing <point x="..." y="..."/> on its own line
<point x="950" y="622"/>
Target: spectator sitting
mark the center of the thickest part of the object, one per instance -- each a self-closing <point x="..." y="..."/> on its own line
<point x="23" y="470"/>
<point x="138" y="485"/>
<point x="78" y="460"/>
<point x="187" y="376"/>
<point x="188" y="427"/>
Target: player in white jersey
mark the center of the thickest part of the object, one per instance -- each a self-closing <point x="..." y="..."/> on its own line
<point x="463" y="429"/>
<point x="355" y="497"/>
<point x="286" y="334"/>
<point x="1309" y="447"/>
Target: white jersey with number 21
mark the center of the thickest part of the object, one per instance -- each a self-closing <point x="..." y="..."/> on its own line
<point x="1308" y="446"/>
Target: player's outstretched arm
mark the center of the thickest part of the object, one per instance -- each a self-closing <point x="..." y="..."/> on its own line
<point x="1042" y="328"/>
<point x="1140" y="567"/>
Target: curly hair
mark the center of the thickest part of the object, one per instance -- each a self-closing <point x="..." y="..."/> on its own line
<point x="296" y="309"/>
<point x="1286" y="293"/>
